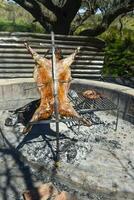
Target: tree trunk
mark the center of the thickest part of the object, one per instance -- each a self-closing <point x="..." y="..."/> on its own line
<point x="61" y="27"/>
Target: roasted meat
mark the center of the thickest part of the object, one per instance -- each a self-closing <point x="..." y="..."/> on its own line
<point x="91" y="94"/>
<point x="43" y="77"/>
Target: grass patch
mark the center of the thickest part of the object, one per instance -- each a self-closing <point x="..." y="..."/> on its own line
<point x="9" y="26"/>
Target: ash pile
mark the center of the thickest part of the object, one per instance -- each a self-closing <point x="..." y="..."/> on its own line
<point x="37" y="151"/>
<point x="39" y="145"/>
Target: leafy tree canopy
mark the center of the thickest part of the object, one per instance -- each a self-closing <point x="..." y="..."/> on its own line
<point x="66" y="16"/>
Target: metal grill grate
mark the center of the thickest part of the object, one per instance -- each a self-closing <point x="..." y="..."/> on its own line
<point x="84" y="105"/>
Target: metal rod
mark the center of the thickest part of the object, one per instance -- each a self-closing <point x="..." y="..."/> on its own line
<point x="55" y="92"/>
<point x="117" y="114"/>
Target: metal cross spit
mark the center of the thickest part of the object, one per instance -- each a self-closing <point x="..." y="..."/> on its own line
<point x="85" y="107"/>
<point x="55" y="92"/>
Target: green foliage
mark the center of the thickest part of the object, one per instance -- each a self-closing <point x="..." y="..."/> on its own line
<point x="119" y="57"/>
<point x="119" y="51"/>
<point x="9" y="26"/>
<point x="14" y="18"/>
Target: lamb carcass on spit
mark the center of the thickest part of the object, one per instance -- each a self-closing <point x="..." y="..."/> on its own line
<point x="43" y="77"/>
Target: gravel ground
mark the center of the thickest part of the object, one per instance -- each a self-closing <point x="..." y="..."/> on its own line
<point x="97" y="162"/>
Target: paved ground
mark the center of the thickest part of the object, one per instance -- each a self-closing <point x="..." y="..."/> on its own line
<point x="97" y="163"/>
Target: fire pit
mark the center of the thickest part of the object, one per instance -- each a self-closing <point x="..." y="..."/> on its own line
<point x="96" y="162"/>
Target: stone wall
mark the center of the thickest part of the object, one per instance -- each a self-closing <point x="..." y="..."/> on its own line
<point x="15" y="93"/>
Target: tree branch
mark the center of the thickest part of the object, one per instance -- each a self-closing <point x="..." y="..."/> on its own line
<point x="49" y="5"/>
<point x="78" y="21"/>
<point x="41" y="13"/>
<point x="70" y="8"/>
<point x="65" y="16"/>
<point x="91" y="5"/>
<point x="109" y="17"/>
<point x="121" y="25"/>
